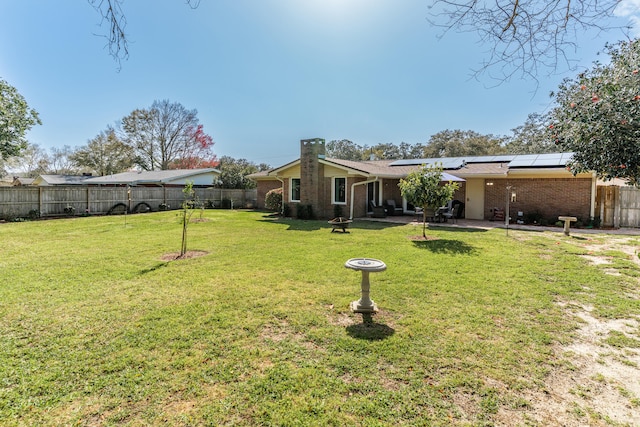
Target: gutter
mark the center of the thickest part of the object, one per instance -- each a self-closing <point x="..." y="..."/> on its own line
<point x="282" y="182"/>
<point x="353" y="192"/>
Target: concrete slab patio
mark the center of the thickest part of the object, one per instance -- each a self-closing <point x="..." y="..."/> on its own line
<point x="483" y="224"/>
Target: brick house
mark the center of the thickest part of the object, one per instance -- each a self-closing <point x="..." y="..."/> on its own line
<point x="534" y="184"/>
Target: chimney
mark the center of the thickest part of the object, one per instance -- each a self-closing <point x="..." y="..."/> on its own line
<point x="312" y="180"/>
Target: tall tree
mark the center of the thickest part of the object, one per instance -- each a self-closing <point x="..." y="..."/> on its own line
<point x="423" y="187"/>
<point x="526" y="37"/>
<point x="60" y="161"/>
<point x="457" y="143"/>
<point x="105" y="154"/>
<point x="233" y="172"/>
<point x="16" y="118"/>
<point x="531" y="137"/>
<point x="31" y="162"/>
<point x="597" y="116"/>
<point x="165" y="134"/>
<point x="344" y="149"/>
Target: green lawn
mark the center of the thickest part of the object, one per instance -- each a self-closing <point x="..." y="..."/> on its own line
<point x="96" y="329"/>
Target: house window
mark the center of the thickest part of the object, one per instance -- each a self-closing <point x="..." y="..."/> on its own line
<point x="295" y="189"/>
<point x="339" y="191"/>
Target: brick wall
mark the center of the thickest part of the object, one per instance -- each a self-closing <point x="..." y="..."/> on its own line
<point x="551" y="197"/>
<point x="263" y="187"/>
<point x="312" y="181"/>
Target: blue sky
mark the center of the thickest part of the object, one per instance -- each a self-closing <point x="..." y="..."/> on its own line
<point x="263" y="74"/>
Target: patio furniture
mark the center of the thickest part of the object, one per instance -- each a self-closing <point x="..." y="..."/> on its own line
<point x="392" y="209"/>
<point x="378" y="211"/>
<point x="449" y="212"/>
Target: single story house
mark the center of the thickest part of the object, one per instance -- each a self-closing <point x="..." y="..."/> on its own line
<point x="170" y="178"/>
<point x="536" y="184"/>
<point x="46" y="180"/>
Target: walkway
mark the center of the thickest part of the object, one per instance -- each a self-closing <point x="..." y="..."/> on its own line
<point x="483" y="224"/>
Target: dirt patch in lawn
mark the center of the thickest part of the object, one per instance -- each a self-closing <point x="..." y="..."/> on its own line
<point x="172" y="256"/>
<point x="596" y="377"/>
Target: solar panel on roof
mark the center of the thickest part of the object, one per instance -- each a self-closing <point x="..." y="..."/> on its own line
<point x="446" y="162"/>
<point x="540" y="160"/>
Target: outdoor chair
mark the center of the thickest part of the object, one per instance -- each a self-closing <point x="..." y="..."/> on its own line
<point x="392" y="209"/>
<point x="450" y="214"/>
<point x="378" y="211"/>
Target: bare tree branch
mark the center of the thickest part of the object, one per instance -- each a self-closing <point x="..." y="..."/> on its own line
<point x="111" y="12"/>
<point x="525" y="37"/>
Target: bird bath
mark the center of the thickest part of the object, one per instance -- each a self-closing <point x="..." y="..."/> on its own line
<point x="365" y="266"/>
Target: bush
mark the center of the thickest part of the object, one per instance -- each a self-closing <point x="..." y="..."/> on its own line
<point x="534" y="217"/>
<point x="34" y="214"/>
<point x="304" y="211"/>
<point x="286" y="210"/>
<point x="301" y="211"/>
<point x="226" y="203"/>
<point x="273" y="200"/>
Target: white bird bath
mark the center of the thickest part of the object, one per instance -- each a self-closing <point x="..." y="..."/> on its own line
<point x="366" y="266"/>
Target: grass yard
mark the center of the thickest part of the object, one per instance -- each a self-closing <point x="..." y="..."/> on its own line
<point x="97" y="329"/>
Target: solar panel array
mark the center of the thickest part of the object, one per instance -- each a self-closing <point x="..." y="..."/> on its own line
<point x="515" y="160"/>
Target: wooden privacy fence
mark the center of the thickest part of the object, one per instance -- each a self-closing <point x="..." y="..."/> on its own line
<point x="17" y="202"/>
<point x="618" y="206"/>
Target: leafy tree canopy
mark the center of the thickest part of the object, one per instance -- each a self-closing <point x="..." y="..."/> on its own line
<point x="233" y="172"/>
<point x="16" y="118"/>
<point x="458" y="143"/>
<point x="105" y="154"/>
<point x="531" y="137"/>
<point x="424" y="188"/>
<point x="597" y="116"/>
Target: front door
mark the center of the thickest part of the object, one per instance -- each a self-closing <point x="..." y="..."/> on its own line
<point x="474" y="205"/>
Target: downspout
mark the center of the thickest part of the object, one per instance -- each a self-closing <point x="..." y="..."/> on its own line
<point x="353" y="193"/>
<point x="594" y="190"/>
<point x="281" y="181"/>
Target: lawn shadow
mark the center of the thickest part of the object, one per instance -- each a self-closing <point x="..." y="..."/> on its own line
<point x="579" y="237"/>
<point x="370" y="330"/>
<point x="444" y="246"/>
<point x="154" y="268"/>
<point x="295" y="224"/>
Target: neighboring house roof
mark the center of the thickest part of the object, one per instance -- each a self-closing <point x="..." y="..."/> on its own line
<point x="60" y="179"/>
<point x="19" y="180"/>
<point x="174" y="176"/>
<point x="471" y="166"/>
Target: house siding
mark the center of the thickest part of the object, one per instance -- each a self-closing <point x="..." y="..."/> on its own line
<point x="551" y="197"/>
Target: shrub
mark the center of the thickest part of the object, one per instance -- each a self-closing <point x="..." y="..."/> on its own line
<point x="226" y="203"/>
<point x="301" y="211"/>
<point x="286" y="210"/>
<point x="534" y="217"/>
<point x="273" y="200"/>
<point x="34" y="214"/>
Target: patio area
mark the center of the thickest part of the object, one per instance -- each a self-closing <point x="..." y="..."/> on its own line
<point x="485" y="224"/>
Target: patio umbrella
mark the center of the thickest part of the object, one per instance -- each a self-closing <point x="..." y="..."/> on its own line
<point x="448" y="177"/>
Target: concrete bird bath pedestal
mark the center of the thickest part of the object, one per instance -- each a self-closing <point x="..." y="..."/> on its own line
<point x="366" y="266"/>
